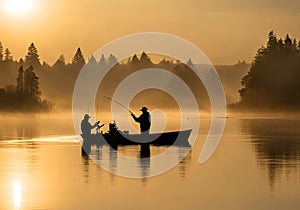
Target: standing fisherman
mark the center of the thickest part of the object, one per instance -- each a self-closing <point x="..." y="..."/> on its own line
<point x="145" y="123"/>
<point x="144" y="119"/>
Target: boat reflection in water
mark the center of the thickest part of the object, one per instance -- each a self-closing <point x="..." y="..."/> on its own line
<point x="48" y="172"/>
<point x="105" y="147"/>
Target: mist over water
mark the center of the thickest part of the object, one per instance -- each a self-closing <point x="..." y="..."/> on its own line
<point x="259" y="154"/>
<point x="46" y="92"/>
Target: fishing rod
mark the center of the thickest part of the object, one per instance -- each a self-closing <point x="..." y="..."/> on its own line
<point x="118" y="103"/>
<point x="104" y="124"/>
<point x="100" y="126"/>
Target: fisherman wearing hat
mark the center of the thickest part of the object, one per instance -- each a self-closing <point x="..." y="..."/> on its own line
<point x="86" y="126"/>
<point x="144" y="119"/>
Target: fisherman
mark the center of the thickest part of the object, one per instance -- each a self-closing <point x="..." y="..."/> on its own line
<point x="145" y="122"/>
<point x="86" y="126"/>
<point x="144" y="119"/>
<point x="86" y="129"/>
<point x="113" y="129"/>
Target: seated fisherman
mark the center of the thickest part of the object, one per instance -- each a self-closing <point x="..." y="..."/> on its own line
<point x="86" y="126"/>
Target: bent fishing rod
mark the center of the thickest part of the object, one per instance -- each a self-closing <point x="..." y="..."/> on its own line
<point x="118" y="103"/>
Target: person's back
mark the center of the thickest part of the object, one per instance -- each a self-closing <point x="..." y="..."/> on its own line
<point x="145" y="123"/>
<point x="85" y="127"/>
<point x="144" y="119"/>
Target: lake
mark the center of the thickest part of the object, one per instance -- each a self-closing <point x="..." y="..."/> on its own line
<point x="256" y="166"/>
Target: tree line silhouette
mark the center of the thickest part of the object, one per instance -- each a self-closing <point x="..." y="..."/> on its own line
<point x="273" y="81"/>
<point x="57" y="81"/>
<point x="153" y="98"/>
<point x="25" y="95"/>
<point x="31" y="76"/>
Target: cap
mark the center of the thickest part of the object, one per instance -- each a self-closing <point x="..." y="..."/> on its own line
<point x="86" y="116"/>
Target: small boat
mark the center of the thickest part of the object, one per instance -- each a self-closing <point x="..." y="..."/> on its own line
<point x="178" y="138"/>
<point x="119" y="138"/>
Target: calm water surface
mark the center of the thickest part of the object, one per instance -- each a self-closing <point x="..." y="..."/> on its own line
<point x="256" y="166"/>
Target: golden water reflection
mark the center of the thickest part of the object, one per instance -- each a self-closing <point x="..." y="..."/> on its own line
<point x="256" y="166"/>
<point x="276" y="144"/>
<point x="17" y="194"/>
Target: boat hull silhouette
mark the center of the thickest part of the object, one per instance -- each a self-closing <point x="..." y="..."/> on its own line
<point x="176" y="138"/>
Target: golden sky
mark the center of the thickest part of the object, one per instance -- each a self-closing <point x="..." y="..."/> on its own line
<point x="226" y="30"/>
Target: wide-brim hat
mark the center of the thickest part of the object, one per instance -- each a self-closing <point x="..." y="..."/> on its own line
<point x="144" y="108"/>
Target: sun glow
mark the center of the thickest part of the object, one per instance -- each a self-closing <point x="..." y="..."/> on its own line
<point x="18" y="7"/>
<point x="17" y="195"/>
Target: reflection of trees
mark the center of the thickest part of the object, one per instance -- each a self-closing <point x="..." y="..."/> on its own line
<point x="277" y="146"/>
<point x="19" y="129"/>
<point x="27" y="131"/>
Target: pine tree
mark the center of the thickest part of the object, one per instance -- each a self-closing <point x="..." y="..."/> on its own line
<point x="272" y="40"/>
<point x="20" y="80"/>
<point x="288" y="41"/>
<point x="27" y="81"/>
<point x="60" y="61"/>
<point x="112" y="60"/>
<point x="135" y="60"/>
<point x="129" y="60"/>
<point x="102" y="60"/>
<point x="31" y="84"/>
<point x="32" y="57"/>
<point x="7" y="55"/>
<point x="36" y="93"/>
<point x="21" y="61"/>
<point x="92" y="61"/>
<point x="144" y="60"/>
<point x="78" y="57"/>
<point x="190" y="62"/>
<point x="1" y="52"/>
<point x="294" y="45"/>
<point x="272" y="81"/>
<point x="163" y="62"/>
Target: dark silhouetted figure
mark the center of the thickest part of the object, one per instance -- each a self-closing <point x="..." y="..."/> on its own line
<point x="86" y="129"/>
<point x="86" y="126"/>
<point x="113" y="129"/>
<point x="144" y="119"/>
<point x="145" y="123"/>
